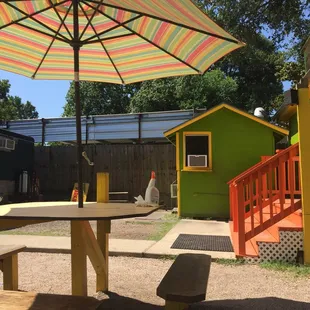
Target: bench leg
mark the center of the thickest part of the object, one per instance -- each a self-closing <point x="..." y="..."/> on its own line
<point x="171" y="305"/>
<point x="10" y="273"/>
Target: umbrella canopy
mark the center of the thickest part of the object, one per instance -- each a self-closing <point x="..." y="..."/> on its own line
<point x="112" y="41"/>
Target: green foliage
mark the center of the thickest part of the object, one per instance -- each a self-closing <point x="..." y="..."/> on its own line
<point x="11" y="107"/>
<point x="186" y="92"/>
<point x="296" y="270"/>
<point x="100" y="98"/>
<point x="261" y="66"/>
<point x="286" y="22"/>
<point x="255" y="69"/>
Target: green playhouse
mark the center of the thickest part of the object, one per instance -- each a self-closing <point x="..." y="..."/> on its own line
<point x="212" y="149"/>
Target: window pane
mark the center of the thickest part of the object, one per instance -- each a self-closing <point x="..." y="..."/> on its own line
<point x="197" y="145"/>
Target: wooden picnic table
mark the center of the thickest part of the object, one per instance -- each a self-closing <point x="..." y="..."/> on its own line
<point x="83" y="240"/>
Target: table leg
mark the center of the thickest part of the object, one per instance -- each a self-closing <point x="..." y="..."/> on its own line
<point x="10" y="273"/>
<point x="103" y="230"/>
<point x="78" y="260"/>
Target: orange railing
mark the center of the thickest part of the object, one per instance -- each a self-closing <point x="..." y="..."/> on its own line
<point x="265" y="194"/>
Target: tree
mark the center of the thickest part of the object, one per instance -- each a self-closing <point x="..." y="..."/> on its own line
<point x="185" y="92"/>
<point x="11" y="107"/>
<point x="255" y="68"/>
<point x="285" y="22"/>
<point x="100" y="98"/>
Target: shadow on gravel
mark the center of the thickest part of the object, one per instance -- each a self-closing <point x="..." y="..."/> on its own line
<point x="116" y="302"/>
<point x="267" y="303"/>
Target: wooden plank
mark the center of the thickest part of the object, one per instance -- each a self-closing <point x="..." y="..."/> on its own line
<point x="78" y="260"/>
<point x="69" y="210"/>
<point x="8" y="250"/>
<point x="187" y="279"/>
<point x="10" y="273"/>
<point x="96" y="256"/>
<point x="11" y="300"/>
<point x="103" y="230"/>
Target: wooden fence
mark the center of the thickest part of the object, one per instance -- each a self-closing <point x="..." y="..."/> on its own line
<point x="129" y="166"/>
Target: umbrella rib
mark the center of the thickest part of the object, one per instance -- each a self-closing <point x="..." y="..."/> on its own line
<point x="104" y="48"/>
<point x="110" y="29"/>
<point x="29" y="15"/>
<point x="37" y="21"/>
<point x="52" y="42"/>
<point x="61" y="20"/>
<point x="89" y="20"/>
<point x="152" y="43"/>
<point x="170" y="22"/>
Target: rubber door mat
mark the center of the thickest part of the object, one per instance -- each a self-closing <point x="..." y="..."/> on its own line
<point x="203" y="243"/>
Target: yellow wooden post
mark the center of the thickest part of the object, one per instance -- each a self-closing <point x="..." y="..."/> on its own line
<point x="103" y="230"/>
<point x="102" y="187"/>
<point x="10" y="273"/>
<point x="171" y="305"/>
<point x="78" y="260"/>
<point x="304" y="153"/>
<point x="177" y="146"/>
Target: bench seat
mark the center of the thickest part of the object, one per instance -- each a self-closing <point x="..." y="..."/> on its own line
<point x="186" y="281"/>
<point x="9" y="265"/>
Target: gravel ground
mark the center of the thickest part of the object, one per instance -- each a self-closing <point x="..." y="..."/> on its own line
<point x="120" y="229"/>
<point x="133" y="283"/>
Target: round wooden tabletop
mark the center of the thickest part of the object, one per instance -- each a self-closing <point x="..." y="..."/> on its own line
<point x="55" y="210"/>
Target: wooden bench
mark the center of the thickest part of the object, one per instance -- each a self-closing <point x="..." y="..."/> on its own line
<point x="186" y="281"/>
<point x="9" y="265"/>
<point x="11" y="300"/>
<point x="124" y="195"/>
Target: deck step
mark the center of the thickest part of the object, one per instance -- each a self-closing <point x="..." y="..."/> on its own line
<point x="292" y="222"/>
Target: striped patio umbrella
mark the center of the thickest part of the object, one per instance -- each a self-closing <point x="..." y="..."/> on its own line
<point x="112" y="41"/>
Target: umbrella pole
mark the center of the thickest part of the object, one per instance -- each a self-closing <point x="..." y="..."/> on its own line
<point x="76" y="49"/>
<point x="79" y="140"/>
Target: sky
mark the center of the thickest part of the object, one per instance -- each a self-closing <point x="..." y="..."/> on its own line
<point x="48" y="97"/>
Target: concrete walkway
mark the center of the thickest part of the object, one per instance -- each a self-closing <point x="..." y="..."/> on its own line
<point x="196" y="227"/>
<point x="129" y="247"/>
<point x="118" y="247"/>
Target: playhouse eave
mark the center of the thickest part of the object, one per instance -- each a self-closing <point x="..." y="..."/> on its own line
<point x="275" y="128"/>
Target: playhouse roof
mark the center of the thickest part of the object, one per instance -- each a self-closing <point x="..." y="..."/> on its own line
<point x="275" y="128"/>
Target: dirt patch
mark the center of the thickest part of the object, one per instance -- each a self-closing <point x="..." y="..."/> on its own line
<point x="133" y="283"/>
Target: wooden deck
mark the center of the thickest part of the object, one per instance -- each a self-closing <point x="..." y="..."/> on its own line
<point x="27" y="300"/>
<point x="271" y="234"/>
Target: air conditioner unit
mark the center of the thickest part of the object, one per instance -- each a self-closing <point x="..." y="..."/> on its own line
<point x="174" y="190"/>
<point x="197" y="160"/>
<point x="7" y="144"/>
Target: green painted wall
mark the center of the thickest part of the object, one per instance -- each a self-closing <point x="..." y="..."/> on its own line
<point x="293" y="128"/>
<point x="237" y="144"/>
